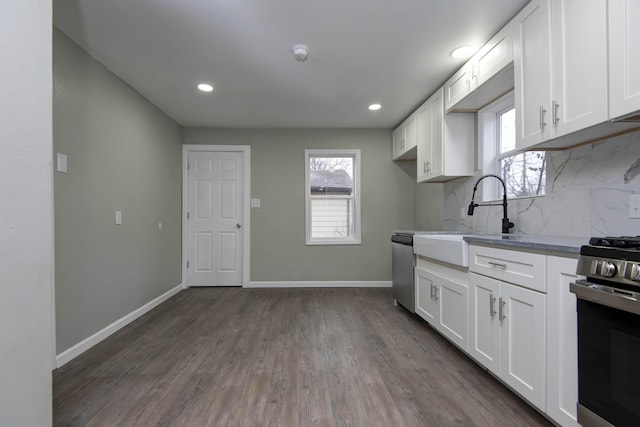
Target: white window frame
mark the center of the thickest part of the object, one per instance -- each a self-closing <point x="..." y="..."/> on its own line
<point x="355" y="239"/>
<point x="488" y="148"/>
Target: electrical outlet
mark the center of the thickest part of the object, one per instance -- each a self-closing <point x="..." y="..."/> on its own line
<point x="634" y="206"/>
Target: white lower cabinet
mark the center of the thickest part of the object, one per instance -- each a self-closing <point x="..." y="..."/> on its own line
<point x="562" y="342"/>
<point x="508" y="334"/>
<point x="444" y="303"/>
<point x="513" y="313"/>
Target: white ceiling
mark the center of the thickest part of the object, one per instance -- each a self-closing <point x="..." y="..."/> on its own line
<point x="361" y="51"/>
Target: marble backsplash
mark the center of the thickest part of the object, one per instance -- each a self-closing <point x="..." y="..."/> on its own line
<point x="587" y="194"/>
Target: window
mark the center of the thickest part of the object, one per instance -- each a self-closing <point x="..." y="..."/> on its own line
<point x="332" y="180"/>
<point x="524" y="173"/>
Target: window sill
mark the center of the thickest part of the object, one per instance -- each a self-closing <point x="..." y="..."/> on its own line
<point x="332" y="242"/>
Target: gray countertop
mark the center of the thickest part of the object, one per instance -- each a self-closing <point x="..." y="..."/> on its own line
<point x="545" y="243"/>
<point x="569" y="244"/>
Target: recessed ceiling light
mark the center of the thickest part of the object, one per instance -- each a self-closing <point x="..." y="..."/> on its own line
<point x="461" y="52"/>
<point x="205" y="87"/>
<point x="375" y="107"/>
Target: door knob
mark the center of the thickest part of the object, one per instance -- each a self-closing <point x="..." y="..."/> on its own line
<point x="238" y="226"/>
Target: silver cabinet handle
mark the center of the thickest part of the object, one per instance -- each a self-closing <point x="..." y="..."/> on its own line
<point x="497" y="265"/>
<point x="554" y="112"/>
<point x="501" y="305"/>
<point x="542" y="113"/>
<point x="492" y="307"/>
<point x="432" y="291"/>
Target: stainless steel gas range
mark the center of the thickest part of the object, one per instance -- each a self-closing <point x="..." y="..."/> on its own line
<point x="609" y="332"/>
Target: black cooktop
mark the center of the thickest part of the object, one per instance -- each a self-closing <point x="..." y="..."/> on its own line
<point x="616" y="242"/>
<point x="622" y="248"/>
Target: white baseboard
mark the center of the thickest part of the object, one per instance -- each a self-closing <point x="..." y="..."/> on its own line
<point x="354" y="284"/>
<point x="84" y="345"/>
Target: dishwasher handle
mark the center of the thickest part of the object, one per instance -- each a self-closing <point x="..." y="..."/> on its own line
<point x="402" y="239"/>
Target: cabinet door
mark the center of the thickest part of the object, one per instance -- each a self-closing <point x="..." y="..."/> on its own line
<point x="426" y="304"/>
<point x="423" y="119"/>
<point x="493" y="57"/>
<point x="579" y="65"/>
<point x="484" y="326"/>
<point x="624" y="57"/>
<point x="453" y="300"/>
<point x="437" y="134"/>
<point x="458" y="86"/>
<point x="562" y="342"/>
<point x="532" y="67"/>
<point x="398" y="140"/>
<point x="410" y="134"/>
<point x="522" y="359"/>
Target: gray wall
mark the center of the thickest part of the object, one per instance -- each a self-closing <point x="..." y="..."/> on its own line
<point x="123" y="154"/>
<point x="278" y="251"/>
<point x="26" y="213"/>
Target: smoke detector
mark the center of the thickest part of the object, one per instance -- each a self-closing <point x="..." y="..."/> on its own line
<point x="300" y="52"/>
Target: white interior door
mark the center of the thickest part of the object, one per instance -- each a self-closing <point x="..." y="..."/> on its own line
<point x="214" y="218"/>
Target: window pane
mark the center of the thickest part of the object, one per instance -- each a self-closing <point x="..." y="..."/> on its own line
<point x="524" y="174"/>
<point x="331" y="175"/>
<point x="507" y="129"/>
<point x="331" y="218"/>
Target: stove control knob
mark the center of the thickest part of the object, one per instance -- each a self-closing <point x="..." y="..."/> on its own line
<point x="607" y="269"/>
<point x="634" y="273"/>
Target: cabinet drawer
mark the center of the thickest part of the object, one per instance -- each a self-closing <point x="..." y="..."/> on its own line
<point x="521" y="268"/>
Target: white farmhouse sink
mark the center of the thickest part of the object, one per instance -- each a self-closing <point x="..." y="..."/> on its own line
<point x="449" y="248"/>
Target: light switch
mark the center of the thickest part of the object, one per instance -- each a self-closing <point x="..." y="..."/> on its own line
<point x="255" y="203"/>
<point x="118" y="217"/>
<point x="61" y="162"/>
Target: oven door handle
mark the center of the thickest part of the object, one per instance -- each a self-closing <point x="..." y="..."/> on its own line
<point x="605" y="295"/>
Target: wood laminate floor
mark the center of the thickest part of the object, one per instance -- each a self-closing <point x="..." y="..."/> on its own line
<point x="281" y="357"/>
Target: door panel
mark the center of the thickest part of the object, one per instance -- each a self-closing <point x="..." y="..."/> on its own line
<point x="484" y="336"/>
<point x="426" y="306"/>
<point x="523" y="342"/>
<point x="214" y="218"/>
<point x="454" y="311"/>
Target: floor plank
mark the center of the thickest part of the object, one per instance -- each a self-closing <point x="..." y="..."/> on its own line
<point x="281" y="357"/>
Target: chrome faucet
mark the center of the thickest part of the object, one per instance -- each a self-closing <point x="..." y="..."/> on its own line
<point x="506" y="224"/>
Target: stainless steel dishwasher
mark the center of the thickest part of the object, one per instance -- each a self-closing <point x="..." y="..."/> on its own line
<point x="402" y="263"/>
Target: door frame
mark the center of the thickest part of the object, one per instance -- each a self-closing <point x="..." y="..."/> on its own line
<point x="246" y="201"/>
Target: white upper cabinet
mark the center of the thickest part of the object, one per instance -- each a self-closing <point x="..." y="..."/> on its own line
<point x="566" y="76"/>
<point x="485" y="77"/>
<point x="445" y="142"/>
<point x="579" y="64"/>
<point x="624" y="57"/>
<point x="532" y="67"/>
<point x="405" y="139"/>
